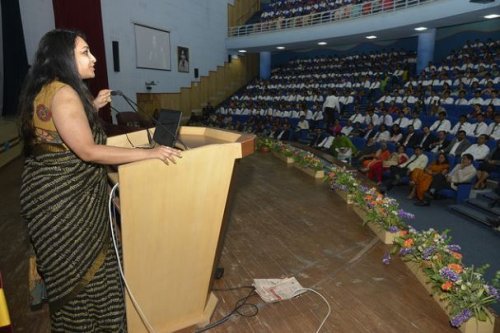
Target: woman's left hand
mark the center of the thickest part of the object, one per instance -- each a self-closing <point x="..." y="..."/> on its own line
<point x="103" y="98"/>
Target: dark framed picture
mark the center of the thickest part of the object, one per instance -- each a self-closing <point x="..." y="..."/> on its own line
<point x="183" y="59"/>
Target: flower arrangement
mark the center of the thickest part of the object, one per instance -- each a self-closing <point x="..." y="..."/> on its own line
<point x="463" y="288"/>
<point x="307" y="160"/>
<point x="385" y="211"/>
<point x="341" y="179"/>
<point x="282" y="149"/>
<point x="264" y="144"/>
<point x="381" y="210"/>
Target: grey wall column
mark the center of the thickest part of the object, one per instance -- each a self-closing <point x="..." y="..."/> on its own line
<point x="265" y="65"/>
<point x="425" y="51"/>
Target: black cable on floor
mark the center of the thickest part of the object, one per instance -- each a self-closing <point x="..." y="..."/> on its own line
<point x="240" y="305"/>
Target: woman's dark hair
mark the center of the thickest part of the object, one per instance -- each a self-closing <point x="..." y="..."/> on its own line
<point x="445" y="158"/>
<point x="54" y="60"/>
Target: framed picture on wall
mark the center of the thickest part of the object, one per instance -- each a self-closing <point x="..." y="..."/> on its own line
<point x="183" y="59"/>
<point x="152" y="47"/>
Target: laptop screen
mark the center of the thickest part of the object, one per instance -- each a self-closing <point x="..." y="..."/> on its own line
<point x="167" y="127"/>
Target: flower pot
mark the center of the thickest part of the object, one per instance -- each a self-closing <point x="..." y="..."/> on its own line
<point x="470" y="326"/>
<point x="264" y="149"/>
<point x="288" y="160"/>
<point x="342" y="194"/>
<point x="313" y="173"/>
<point x="385" y="236"/>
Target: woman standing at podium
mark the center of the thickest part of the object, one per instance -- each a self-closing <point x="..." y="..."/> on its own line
<point x="64" y="190"/>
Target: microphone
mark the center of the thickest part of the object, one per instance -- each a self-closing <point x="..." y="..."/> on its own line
<point x="155" y="121"/>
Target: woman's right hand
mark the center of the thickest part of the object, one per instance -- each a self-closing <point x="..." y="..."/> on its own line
<point x="165" y="154"/>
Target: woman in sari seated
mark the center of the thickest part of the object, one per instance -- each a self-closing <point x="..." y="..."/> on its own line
<point x="396" y="158"/>
<point x="421" y="179"/>
<point x="372" y="165"/>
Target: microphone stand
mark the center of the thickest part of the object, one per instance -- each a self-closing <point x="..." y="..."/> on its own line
<point x="155" y="121"/>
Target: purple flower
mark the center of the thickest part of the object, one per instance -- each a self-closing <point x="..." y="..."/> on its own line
<point x="492" y="291"/>
<point x="460" y="318"/>
<point x="405" y="215"/>
<point x="393" y="229"/>
<point x="405" y="251"/>
<point x="386" y="259"/>
<point x="454" y="248"/>
<point x="428" y="252"/>
<point x="448" y="274"/>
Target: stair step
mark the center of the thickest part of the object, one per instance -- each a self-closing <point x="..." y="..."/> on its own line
<point x="484" y="205"/>
<point x="471" y="213"/>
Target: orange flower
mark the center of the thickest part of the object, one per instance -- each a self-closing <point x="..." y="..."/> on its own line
<point x="456" y="255"/>
<point x="447" y="285"/>
<point x="408" y="243"/>
<point x="403" y="232"/>
<point x="456" y="268"/>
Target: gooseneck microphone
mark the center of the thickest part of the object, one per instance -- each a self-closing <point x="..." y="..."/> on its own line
<point x="136" y="109"/>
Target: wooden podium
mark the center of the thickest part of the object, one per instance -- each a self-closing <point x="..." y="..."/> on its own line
<point x="171" y="217"/>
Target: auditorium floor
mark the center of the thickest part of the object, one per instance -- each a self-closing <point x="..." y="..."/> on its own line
<point x="282" y="223"/>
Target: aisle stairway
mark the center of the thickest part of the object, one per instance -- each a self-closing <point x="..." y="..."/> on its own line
<point x="484" y="206"/>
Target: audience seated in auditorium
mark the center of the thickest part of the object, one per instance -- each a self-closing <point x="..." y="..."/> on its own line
<point x="494" y="128"/>
<point x="462" y="173"/>
<point x="440" y="144"/>
<point x="480" y="149"/>
<point x="372" y="162"/>
<point x="417" y="160"/>
<point x="458" y="145"/>
<point x="426" y="139"/>
<point x="421" y="179"/>
<point x="441" y="124"/>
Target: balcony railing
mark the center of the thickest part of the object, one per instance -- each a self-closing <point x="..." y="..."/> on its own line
<point x="344" y="13"/>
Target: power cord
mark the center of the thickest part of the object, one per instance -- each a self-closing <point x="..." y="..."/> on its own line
<point x="131" y="295"/>
<point x="238" y="307"/>
<point x="242" y="302"/>
<point x="324" y="299"/>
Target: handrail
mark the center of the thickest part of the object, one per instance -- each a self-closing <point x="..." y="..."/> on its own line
<point x="344" y="13"/>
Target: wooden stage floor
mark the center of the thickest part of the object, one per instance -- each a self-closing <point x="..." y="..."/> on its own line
<point x="282" y="223"/>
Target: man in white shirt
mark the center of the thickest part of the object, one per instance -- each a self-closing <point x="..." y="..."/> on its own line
<point x="357" y="117"/>
<point x="461" y="125"/>
<point x="480" y="149"/>
<point x="494" y="128"/>
<point x="461" y="100"/>
<point x="480" y="127"/>
<point x="382" y="135"/>
<point x="371" y="118"/>
<point x="385" y="118"/>
<point x="477" y="99"/>
<point x="417" y="160"/>
<point x="347" y="129"/>
<point x="461" y="173"/>
<point x="402" y="121"/>
<point x="493" y="99"/>
<point x="415" y="121"/>
<point x="442" y="124"/>
<point x="330" y="106"/>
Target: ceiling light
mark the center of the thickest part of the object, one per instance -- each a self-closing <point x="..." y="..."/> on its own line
<point x="491" y="16"/>
<point x="280" y="47"/>
<point x="371" y="37"/>
<point x="321" y="43"/>
<point x="421" y="28"/>
<point x="242" y="51"/>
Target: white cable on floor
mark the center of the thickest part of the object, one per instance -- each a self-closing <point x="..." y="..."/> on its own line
<point x="132" y="298"/>
<point x="324" y="299"/>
